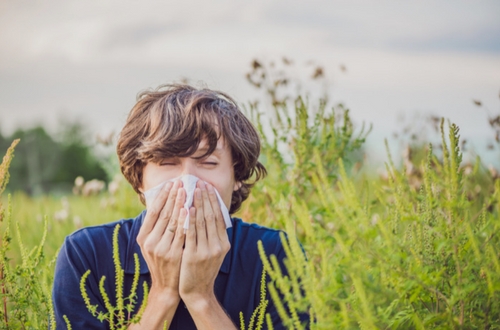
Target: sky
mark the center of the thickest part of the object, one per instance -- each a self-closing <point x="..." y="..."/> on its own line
<point x="87" y="60"/>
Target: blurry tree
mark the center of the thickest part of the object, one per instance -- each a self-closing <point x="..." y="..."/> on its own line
<point x="45" y="163"/>
<point x="36" y="161"/>
<point x="77" y="156"/>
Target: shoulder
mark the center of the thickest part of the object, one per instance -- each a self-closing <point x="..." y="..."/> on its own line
<point x="246" y="235"/>
<point x="98" y="240"/>
<point x="100" y="233"/>
<point x="92" y="247"/>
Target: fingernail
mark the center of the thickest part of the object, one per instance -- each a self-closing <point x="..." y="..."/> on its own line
<point x="202" y="184"/>
<point x="168" y="186"/>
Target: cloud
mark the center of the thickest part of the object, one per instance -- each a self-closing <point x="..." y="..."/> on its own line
<point x="92" y="57"/>
<point x="479" y="40"/>
<point x="423" y="26"/>
<point x="138" y="34"/>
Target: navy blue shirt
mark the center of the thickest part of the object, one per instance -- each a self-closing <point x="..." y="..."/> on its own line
<point x="237" y="286"/>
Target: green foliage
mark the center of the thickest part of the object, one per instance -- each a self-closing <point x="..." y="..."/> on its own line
<point x="47" y="164"/>
<point x="294" y="135"/>
<point x="119" y="316"/>
<point x="409" y="252"/>
<point x="257" y="318"/>
<point x="416" y="247"/>
<point x="24" y="286"/>
<point x="68" y="324"/>
<point x="67" y="214"/>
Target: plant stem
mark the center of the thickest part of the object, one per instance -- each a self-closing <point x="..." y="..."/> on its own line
<point x="4" y="292"/>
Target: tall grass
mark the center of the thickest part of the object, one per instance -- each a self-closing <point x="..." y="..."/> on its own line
<point x="416" y="248"/>
<point x="25" y="284"/>
<point x="28" y="251"/>
<point x="414" y="251"/>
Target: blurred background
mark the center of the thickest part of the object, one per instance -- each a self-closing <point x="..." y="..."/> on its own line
<point x="70" y="70"/>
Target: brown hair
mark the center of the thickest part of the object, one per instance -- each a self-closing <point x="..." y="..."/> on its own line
<point x="172" y="120"/>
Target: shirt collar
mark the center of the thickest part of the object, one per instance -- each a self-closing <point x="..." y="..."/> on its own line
<point x="133" y="247"/>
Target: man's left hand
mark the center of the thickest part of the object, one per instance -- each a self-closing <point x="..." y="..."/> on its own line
<point x="206" y="246"/>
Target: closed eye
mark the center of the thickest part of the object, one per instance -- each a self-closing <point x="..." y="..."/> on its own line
<point x="168" y="162"/>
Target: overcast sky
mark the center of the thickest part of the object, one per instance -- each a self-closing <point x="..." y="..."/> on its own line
<point x="88" y="59"/>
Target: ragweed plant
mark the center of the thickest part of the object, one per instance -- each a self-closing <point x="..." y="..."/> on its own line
<point x="417" y="248"/>
<point x="25" y="292"/>
<point x="118" y="316"/>
<point x="293" y="129"/>
<point x="400" y="256"/>
<point x="257" y="318"/>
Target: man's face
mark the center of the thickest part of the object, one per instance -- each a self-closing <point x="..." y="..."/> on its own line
<point x="216" y="169"/>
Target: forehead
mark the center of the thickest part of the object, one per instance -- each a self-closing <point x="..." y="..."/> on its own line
<point x="221" y="148"/>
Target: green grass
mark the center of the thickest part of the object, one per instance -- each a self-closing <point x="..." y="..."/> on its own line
<point x="415" y="249"/>
<point x="81" y="211"/>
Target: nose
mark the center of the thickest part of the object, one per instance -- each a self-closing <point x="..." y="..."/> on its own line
<point x="189" y="167"/>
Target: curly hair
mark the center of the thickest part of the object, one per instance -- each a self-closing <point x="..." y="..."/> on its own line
<point x="172" y="120"/>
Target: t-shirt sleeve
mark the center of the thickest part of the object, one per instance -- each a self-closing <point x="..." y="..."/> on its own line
<point x="73" y="261"/>
<point x="272" y="310"/>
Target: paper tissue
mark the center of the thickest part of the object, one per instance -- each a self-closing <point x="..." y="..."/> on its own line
<point x="189" y="184"/>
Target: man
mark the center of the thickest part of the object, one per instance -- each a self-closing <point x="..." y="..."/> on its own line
<point x="202" y="271"/>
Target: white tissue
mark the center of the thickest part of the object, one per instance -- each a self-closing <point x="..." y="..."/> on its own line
<point x="189" y="182"/>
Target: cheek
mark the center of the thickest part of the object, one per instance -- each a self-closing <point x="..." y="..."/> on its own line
<point x="154" y="175"/>
<point x="225" y="190"/>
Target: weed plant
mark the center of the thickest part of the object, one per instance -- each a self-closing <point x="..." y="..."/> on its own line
<point x="394" y="255"/>
<point x="24" y="285"/>
<point x="119" y="316"/>
<point x="415" y="248"/>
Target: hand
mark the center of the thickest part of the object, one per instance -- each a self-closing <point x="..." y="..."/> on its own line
<point x="161" y="239"/>
<point x="206" y="246"/>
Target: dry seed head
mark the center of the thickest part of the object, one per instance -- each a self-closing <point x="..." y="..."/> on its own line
<point x="4" y="167"/>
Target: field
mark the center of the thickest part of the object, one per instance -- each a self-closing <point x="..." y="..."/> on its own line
<point x="414" y="248"/>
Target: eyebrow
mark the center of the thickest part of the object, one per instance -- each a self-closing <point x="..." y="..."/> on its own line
<point x="204" y="149"/>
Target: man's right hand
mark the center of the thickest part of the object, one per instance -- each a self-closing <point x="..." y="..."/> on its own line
<point x="161" y="239"/>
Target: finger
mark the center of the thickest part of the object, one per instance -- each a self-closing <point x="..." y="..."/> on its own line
<point x="165" y="243"/>
<point x="177" y="219"/>
<point x="191" y="232"/>
<point x="209" y="216"/>
<point x="201" y="232"/>
<point x="168" y="235"/>
<point x="153" y="212"/>
<point x="169" y="206"/>
<point x="220" y="224"/>
<point x="168" y="210"/>
<point x="179" y="237"/>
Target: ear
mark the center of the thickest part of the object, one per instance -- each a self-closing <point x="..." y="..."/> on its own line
<point x="237" y="186"/>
